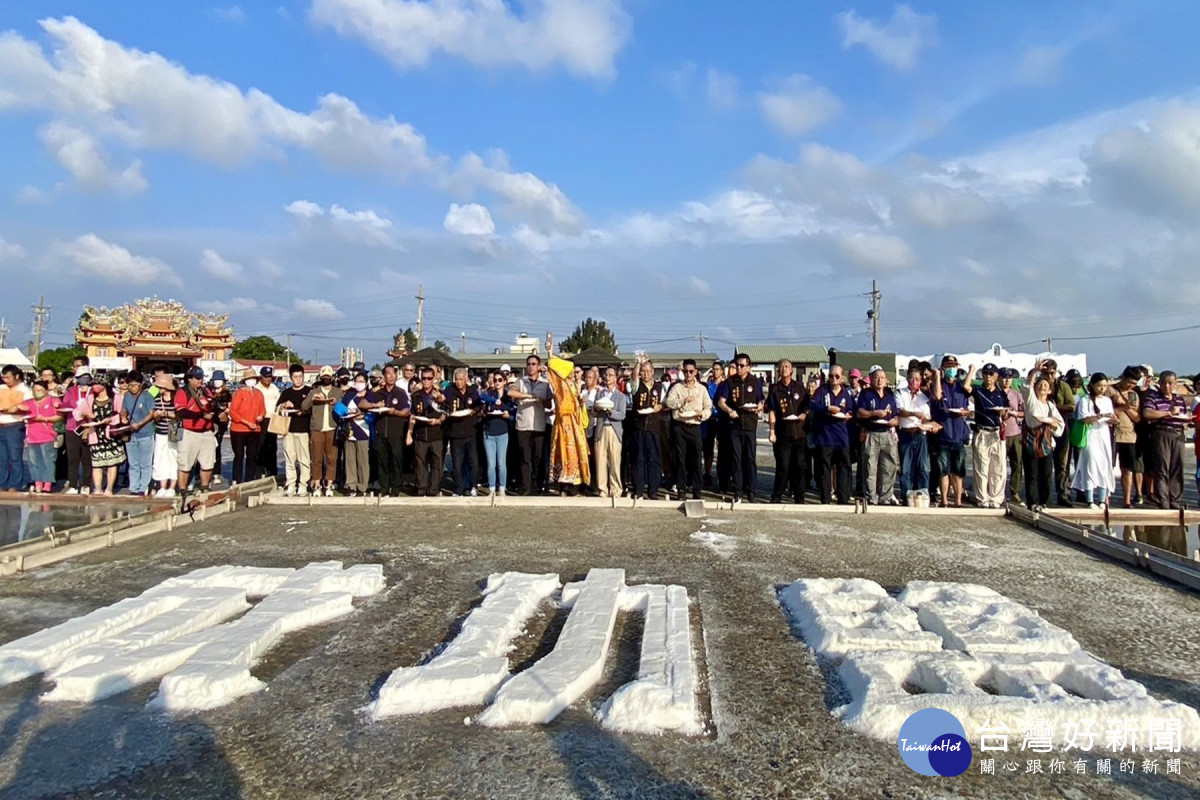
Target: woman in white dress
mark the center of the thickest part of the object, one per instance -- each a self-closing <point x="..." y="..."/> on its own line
<point x="1094" y="471"/>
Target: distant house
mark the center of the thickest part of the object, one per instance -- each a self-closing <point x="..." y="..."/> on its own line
<point x="805" y="358"/>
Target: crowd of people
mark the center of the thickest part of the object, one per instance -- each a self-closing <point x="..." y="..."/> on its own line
<point x="606" y="431"/>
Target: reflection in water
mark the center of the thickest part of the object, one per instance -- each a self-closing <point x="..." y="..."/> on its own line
<point x="1176" y="539"/>
<point x="20" y="522"/>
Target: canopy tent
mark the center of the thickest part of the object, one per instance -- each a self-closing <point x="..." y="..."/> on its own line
<point x="11" y="355"/>
<point x="595" y="356"/>
<point x="430" y="356"/>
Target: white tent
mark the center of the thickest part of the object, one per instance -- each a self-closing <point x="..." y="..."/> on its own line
<point x="11" y="355"/>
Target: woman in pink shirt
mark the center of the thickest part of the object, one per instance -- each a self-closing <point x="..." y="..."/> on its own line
<point x="40" y="454"/>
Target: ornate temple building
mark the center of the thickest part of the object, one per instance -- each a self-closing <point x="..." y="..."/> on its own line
<point x="153" y="331"/>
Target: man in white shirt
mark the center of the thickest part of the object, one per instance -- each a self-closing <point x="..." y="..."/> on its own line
<point x="268" y="449"/>
<point x="915" y="421"/>
<point x="690" y="405"/>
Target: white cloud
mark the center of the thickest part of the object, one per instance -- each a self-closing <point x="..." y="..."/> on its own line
<point x="698" y="286"/>
<point x="32" y="196"/>
<point x="81" y="155"/>
<point x="269" y="269"/>
<point x="938" y="207"/>
<point x="317" y="309"/>
<point x="897" y="42"/>
<point x="583" y="36"/>
<point x="798" y="105"/>
<point x="471" y="219"/>
<point x="540" y="205"/>
<point x="874" y="251"/>
<point x="331" y="275"/>
<point x="975" y="267"/>
<point x="228" y="13"/>
<point x="679" y="79"/>
<point x="996" y="309"/>
<point x="232" y="305"/>
<point x="10" y="252"/>
<point x="89" y="256"/>
<point x="365" y="225"/>
<point x="220" y="268"/>
<point x="305" y="209"/>
<point x="722" y="90"/>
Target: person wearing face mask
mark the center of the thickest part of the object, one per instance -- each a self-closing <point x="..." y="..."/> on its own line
<point x="96" y="417"/>
<point x="41" y="413"/>
<point x="321" y="440"/>
<point x="246" y="414"/>
<point x="356" y="448"/>
<point x="950" y="409"/>
<point x="916" y="418"/>
<point x="342" y="379"/>
<point x="1012" y="435"/>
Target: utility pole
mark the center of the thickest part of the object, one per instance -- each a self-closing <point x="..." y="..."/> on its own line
<point x="3" y="332"/>
<point x="289" y="350"/>
<point x="40" y="315"/>
<point x="873" y="315"/>
<point x="420" y="317"/>
<point x="1049" y="345"/>
<point x="462" y="348"/>
<point x="701" y="341"/>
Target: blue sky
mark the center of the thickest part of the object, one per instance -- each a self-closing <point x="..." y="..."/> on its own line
<point x="1006" y="171"/>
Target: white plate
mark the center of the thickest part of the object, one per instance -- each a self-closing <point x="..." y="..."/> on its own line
<point x="422" y="419"/>
<point x="749" y="405"/>
<point x="792" y="417"/>
<point x="840" y="416"/>
<point x="462" y="412"/>
<point x="495" y="413"/>
<point x="646" y="411"/>
<point x="687" y="414"/>
<point x="605" y="405"/>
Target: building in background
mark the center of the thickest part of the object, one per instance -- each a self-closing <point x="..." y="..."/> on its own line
<point x="805" y="358"/>
<point x="152" y="331"/>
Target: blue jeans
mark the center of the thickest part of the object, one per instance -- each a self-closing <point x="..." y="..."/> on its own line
<point x="140" y="451"/>
<point x="40" y="458"/>
<point x="914" y="464"/>
<point x="496" y="448"/>
<point x="12" y="457"/>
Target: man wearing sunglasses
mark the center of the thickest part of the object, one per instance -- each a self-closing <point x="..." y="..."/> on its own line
<point x="690" y="406"/>
<point x="425" y="435"/>
<point x="742" y="401"/>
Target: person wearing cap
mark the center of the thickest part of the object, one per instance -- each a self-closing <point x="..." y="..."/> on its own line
<point x="742" y="401"/>
<point x="1011" y="433"/>
<point x="374" y="379"/>
<point x="829" y="409"/>
<point x="1064" y="400"/>
<point x="164" y="469"/>
<point x="878" y="417"/>
<point x="222" y="397"/>
<point x="1166" y="414"/>
<point x="391" y="407"/>
<point x="296" y="450"/>
<point x="916" y="420"/>
<point x="246" y="414"/>
<point x="787" y="411"/>
<point x="950" y="409"/>
<point x="268" y="448"/>
<point x="137" y="411"/>
<point x="79" y="460"/>
<point x="197" y="417"/>
<point x="322" y="441"/>
<point x="989" y="460"/>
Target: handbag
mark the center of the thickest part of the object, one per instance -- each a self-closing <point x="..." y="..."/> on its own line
<point x="1079" y="431"/>
<point x="278" y="424"/>
<point x="173" y="432"/>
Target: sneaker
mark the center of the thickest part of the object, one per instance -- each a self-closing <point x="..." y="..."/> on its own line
<point x="737" y="501"/>
<point x="1094" y="507"/>
<point x="503" y="491"/>
<point x="71" y="490"/>
<point x="85" y="490"/>
<point x="474" y="492"/>
<point x="329" y="491"/>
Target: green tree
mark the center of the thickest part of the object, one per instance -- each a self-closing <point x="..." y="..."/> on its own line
<point x="406" y="340"/>
<point x="259" y="348"/>
<point x="589" y="333"/>
<point x="59" y="359"/>
<point x="441" y="347"/>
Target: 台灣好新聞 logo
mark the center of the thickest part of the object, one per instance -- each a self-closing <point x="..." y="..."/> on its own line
<point x="933" y="742"/>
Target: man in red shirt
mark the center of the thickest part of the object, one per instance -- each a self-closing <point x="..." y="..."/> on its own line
<point x="195" y="410"/>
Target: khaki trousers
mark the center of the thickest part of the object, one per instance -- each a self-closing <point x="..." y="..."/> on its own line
<point x="295" y="460"/>
<point x="990" y="463"/>
<point x="608" y="462"/>
<point x="324" y="457"/>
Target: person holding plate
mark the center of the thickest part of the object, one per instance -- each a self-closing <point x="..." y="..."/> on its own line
<point x="425" y="435"/>
<point x="1166" y="416"/>
<point x="644" y="396"/>
<point x="950" y="409"/>
<point x="742" y="401"/>
<point x="690" y="406"/>
<point x="830" y="408"/>
<point x="878" y="416"/>
<point x="609" y="408"/>
<point x="463" y="405"/>
<point x="787" y="405"/>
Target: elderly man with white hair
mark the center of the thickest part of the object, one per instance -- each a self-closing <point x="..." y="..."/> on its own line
<point x="878" y="415"/>
<point x="464" y="407"/>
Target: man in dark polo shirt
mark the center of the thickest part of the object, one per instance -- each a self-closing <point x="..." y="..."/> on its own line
<point x="645" y="402"/>
<point x="990" y="462"/>
<point x="787" y="405"/>
<point x="950" y="409"/>
<point x="829" y="409"/>
<point x="389" y="403"/>
<point x="1166" y="416"/>
<point x="463" y="406"/>
<point x="878" y="415"/>
<point x="425" y="435"/>
<point x="742" y="401"/>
